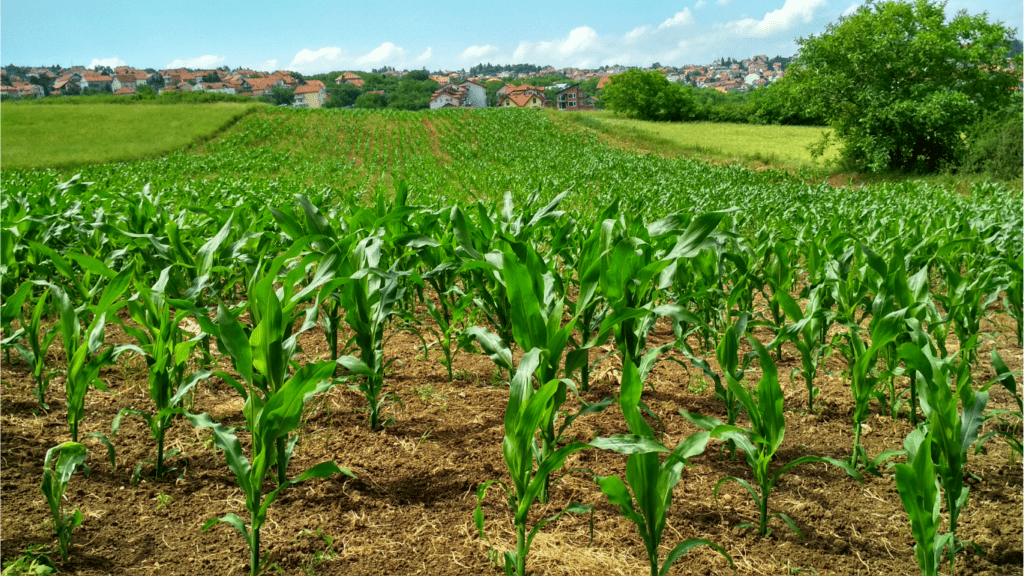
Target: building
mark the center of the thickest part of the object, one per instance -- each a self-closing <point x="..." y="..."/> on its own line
<point x="312" y="94"/>
<point x="572" y="98"/>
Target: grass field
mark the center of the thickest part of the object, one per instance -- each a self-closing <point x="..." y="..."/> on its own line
<point x="774" y="145"/>
<point x="69" y="136"/>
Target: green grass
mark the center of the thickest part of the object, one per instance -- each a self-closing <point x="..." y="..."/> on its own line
<point x="73" y="135"/>
<point x="778" y="146"/>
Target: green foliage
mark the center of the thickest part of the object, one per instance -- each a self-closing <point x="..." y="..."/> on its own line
<point x="527" y="410"/>
<point x="761" y="441"/>
<point x="898" y="83"/>
<point x="280" y="96"/>
<point x="370" y="101"/>
<point x="270" y="419"/>
<point x="918" y="487"/>
<point x="648" y="497"/>
<point x="994" y="145"/>
<point x="954" y="415"/>
<point x="648" y="96"/>
<point x="58" y="466"/>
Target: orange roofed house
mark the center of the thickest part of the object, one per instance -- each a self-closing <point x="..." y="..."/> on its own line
<point x="312" y="94"/>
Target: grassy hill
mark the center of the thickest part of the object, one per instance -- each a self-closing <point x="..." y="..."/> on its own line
<point x="67" y="136"/>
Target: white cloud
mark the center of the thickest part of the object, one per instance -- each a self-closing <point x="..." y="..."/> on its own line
<point x="792" y="13"/>
<point x="384" y="54"/>
<point x="425" y="57"/>
<point x="478" y="53"/>
<point x="207" y="61"/>
<point x="700" y="4"/>
<point x="108" y="62"/>
<point x="680" y="19"/>
<point x="851" y="9"/>
<point x="579" y="44"/>
<point x="637" y="33"/>
<point x="268" y="66"/>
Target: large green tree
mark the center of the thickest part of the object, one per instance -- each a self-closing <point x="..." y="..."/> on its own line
<point x="900" y="84"/>
<point x="648" y="96"/>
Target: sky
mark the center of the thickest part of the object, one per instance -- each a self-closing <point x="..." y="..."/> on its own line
<point x="315" y="38"/>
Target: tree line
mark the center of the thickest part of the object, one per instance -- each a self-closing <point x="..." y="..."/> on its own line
<point x="902" y="87"/>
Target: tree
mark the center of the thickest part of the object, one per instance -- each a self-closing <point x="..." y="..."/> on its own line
<point x="369" y="100"/>
<point x="211" y="77"/>
<point x="280" y="96"/>
<point x="342" y="95"/>
<point x="899" y="84"/>
<point x="648" y="96"/>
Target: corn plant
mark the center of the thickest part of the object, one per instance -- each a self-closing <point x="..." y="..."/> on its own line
<point x="864" y="380"/>
<point x="162" y="343"/>
<point x="370" y="299"/>
<point x="965" y="302"/>
<point x="270" y="420"/>
<point x="38" y="340"/>
<point x="264" y="358"/>
<point x="734" y="367"/>
<point x="527" y="409"/>
<point x="951" y="428"/>
<point x="760" y="442"/>
<point x="806" y="333"/>
<point x="918" y="487"/>
<point x="536" y="314"/>
<point x="1007" y="430"/>
<point x="85" y="357"/>
<point x="58" y="466"/>
<point x="646" y="496"/>
<point x="11" y="310"/>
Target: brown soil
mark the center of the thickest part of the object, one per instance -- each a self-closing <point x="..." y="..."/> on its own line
<point x="410" y="509"/>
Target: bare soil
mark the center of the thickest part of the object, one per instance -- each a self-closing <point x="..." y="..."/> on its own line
<point x="410" y="509"/>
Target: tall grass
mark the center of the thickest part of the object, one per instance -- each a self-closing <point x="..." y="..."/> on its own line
<point x="73" y="135"/>
<point x="773" y="145"/>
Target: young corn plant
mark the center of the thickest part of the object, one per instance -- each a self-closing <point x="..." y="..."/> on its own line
<point x="370" y="300"/>
<point x="85" y="357"/>
<point x="646" y="496"/>
<point x="864" y="381"/>
<point x="760" y="442"/>
<point x="953" y="415"/>
<point x="270" y="420"/>
<point x="527" y="409"/>
<point x="58" y="466"/>
<point x="1009" y="431"/>
<point x="265" y="357"/>
<point x="805" y="333"/>
<point x="163" y="344"/>
<point x="536" y="312"/>
<point x="734" y="367"/>
<point x="38" y="340"/>
<point x="918" y="487"/>
<point x="11" y="310"/>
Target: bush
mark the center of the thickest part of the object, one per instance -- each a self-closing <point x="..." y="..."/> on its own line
<point x="995" y="145"/>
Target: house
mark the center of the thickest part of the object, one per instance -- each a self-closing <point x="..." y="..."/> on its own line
<point x="120" y="81"/>
<point x="214" y="87"/>
<point x="312" y="94"/>
<point x="261" y="86"/>
<point x="465" y="95"/>
<point x="124" y="92"/>
<point x="572" y="98"/>
<point x="66" y="80"/>
<point x="522" y="100"/>
<point x="94" y="80"/>
<point x="350" y="78"/>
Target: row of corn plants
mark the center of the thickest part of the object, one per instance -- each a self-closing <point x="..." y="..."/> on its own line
<point x="542" y="277"/>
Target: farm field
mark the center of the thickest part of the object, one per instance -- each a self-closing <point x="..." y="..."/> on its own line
<point x="616" y="302"/>
<point x="67" y="136"/>
<point x="777" y="145"/>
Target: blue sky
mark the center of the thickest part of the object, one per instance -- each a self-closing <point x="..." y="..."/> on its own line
<point x="311" y="38"/>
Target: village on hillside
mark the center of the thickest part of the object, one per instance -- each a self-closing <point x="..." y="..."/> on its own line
<point x="521" y="86"/>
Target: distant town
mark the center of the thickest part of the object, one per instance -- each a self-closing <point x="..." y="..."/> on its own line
<point x="522" y="85"/>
